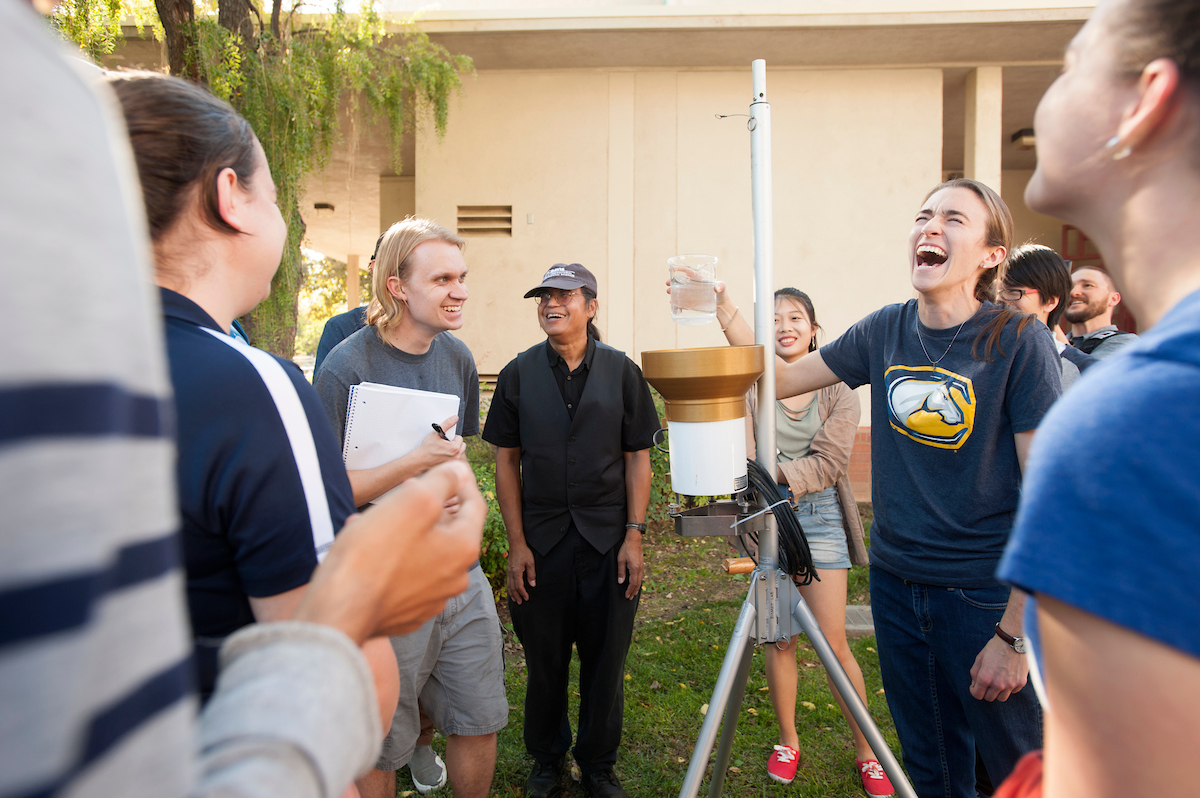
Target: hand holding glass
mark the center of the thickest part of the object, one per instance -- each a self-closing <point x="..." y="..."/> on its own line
<point x="693" y="288"/>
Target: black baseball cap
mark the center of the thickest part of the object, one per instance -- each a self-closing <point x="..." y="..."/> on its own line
<point x="565" y="275"/>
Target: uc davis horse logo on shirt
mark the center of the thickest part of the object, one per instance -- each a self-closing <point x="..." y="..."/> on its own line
<point x="930" y="405"/>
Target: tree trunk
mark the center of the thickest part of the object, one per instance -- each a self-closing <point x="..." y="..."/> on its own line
<point x="234" y="15"/>
<point x="178" y="20"/>
<point x="272" y="325"/>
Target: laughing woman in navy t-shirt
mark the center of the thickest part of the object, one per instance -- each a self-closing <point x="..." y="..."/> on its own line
<point x="958" y="385"/>
<point x="262" y="488"/>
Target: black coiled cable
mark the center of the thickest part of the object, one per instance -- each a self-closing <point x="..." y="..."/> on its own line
<point x="795" y="559"/>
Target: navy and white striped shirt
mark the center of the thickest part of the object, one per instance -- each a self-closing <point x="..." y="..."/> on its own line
<point x="95" y="652"/>
<point x="95" y="661"/>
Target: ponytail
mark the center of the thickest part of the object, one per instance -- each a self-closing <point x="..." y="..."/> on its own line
<point x="991" y="330"/>
<point x="593" y="333"/>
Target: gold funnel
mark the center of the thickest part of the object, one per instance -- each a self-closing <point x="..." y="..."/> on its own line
<point x="707" y="384"/>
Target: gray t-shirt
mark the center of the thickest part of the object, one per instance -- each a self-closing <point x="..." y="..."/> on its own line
<point x="944" y="463"/>
<point x="1114" y="341"/>
<point x="447" y="367"/>
<point x="1070" y="372"/>
<point x="794" y="432"/>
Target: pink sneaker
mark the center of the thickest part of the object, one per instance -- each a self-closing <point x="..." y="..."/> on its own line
<point x="782" y="765"/>
<point x="874" y="779"/>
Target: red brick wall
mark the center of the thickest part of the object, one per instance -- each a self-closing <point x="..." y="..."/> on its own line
<point x="860" y="465"/>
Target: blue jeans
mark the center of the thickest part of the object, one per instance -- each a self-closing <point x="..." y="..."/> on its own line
<point x="928" y="638"/>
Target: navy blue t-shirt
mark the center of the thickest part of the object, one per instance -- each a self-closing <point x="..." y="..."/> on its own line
<point x="1110" y="517"/>
<point x="945" y="476"/>
<point x="262" y="487"/>
<point x="338" y="329"/>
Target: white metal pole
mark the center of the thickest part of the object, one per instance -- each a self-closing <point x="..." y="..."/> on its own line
<point x="731" y="676"/>
<point x="764" y="287"/>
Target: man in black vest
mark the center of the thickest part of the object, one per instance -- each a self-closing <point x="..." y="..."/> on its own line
<point x="573" y="421"/>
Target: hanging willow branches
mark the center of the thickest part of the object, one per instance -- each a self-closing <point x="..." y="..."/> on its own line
<point x="290" y="77"/>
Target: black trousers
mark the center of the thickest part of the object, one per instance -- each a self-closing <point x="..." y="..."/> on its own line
<point x="576" y="600"/>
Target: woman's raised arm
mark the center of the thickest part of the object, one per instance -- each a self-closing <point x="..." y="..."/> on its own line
<point x="806" y="374"/>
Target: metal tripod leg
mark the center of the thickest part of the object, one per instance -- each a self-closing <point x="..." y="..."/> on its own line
<point x="740" y="648"/>
<point x="841" y="682"/>
<point x="732" y="708"/>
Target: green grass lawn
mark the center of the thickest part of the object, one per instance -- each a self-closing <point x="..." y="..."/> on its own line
<point x="684" y="623"/>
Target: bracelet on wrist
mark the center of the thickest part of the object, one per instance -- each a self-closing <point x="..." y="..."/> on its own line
<point x="732" y="316"/>
<point x="637" y="526"/>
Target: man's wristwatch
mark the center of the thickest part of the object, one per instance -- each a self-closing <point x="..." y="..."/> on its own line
<point x="1017" y="643"/>
<point x="638" y="527"/>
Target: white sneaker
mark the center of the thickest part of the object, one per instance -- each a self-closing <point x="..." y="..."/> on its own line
<point x="427" y="769"/>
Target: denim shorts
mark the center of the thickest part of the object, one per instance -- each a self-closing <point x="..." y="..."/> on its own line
<point x="820" y="517"/>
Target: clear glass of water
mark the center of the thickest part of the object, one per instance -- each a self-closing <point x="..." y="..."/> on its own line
<point x="693" y="288"/>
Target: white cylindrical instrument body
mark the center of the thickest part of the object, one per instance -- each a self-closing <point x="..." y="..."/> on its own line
<point x="708" y="458"/>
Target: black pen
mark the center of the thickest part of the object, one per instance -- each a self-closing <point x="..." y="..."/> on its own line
<point x="441" y="433"/>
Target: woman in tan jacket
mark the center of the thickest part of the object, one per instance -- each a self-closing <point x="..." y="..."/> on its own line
<point x="814" y="438"/>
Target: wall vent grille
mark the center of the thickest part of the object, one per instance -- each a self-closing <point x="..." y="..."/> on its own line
<point x="485" y="220"/>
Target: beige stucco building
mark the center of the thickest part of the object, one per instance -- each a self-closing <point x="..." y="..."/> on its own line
<point x="591" y="135"/>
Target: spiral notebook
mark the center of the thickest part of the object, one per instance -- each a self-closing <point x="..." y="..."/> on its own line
<point x="384" y="422"/>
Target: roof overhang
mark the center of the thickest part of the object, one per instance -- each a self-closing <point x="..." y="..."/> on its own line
<point x="846" y="33"/>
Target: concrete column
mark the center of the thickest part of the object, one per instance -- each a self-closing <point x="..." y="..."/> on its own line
<point x="353" y="299"/>
<point x="655" y="205"/>
<point x="984" y="136"/>
<point x="619" y="304"/>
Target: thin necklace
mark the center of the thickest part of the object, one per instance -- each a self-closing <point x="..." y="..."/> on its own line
<point x="933" y="362"/>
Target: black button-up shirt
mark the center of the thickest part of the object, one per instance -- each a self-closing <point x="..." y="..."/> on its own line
<point x="571" y="383"/>
<point x="503" y="426"/>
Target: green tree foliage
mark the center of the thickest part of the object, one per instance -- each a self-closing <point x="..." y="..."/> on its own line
<point x="322" y="297"/>
<point x="94" y="26"/>
<point x="291" y="79"/>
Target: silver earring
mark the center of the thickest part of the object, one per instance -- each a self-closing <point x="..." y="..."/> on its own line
<point x="1114" y="153"/>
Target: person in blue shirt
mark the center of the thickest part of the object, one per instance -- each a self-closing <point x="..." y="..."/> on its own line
<point x="343" y="325"/>
<point x="1106" y="537"/>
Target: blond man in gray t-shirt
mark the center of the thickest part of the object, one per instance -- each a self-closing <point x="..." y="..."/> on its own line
<point x="453" y="663"/>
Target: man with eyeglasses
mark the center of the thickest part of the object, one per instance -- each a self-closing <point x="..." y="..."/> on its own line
<point x="573" y="421"/>
<point x="1037" y="282"/>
